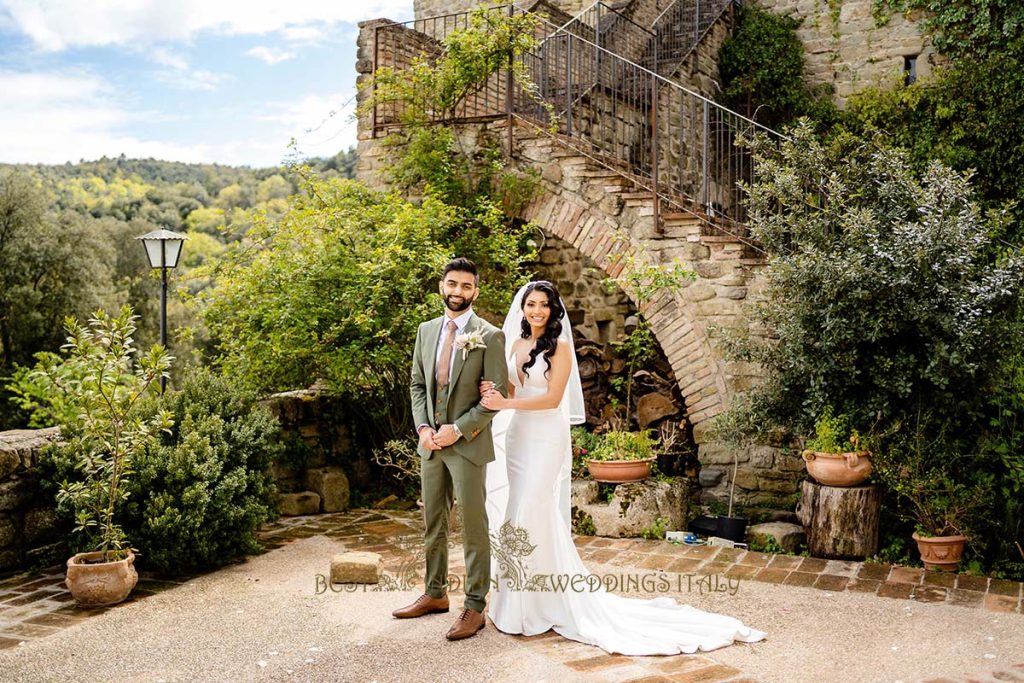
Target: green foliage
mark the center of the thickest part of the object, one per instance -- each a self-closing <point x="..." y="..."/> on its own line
<point x="336" y="289"/>
<point x="962" y="29"/>
<point x="965" y="116"/>
<point x="884" y="292"/>
<point x="584" y="442"/>
<point x="833" y="434"/>
<point x="619" y="445"/>
<point x="767" y="544"/>
<point x="656" y="530"/>
<point x="427" y="153"/>
<point x="204" y="491"/>
<point x="583" y="524"/>
<point x="762" y="66"/>
<point x="104" y="383"/>
<point x="200" y="492"/>
<point x="945" y="493"/>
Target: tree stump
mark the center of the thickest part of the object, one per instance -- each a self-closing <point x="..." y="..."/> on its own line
<point x="841" y="523"/>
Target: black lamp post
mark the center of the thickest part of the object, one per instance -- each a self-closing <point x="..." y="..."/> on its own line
<point x="163" y="248"/>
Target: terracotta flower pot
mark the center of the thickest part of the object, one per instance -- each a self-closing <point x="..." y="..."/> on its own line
<point x="94" y="583"/>
<point x="619" y="471"/>
<point x="940" y="552"/>
<point x="838" y="469"/>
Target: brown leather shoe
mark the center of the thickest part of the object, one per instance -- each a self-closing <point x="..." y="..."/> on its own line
<point x="469" y="622"/>
<point x="423" y="605"/>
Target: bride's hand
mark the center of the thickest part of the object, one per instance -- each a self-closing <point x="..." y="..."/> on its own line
<point x="493" y="400"/>
<point x="485" y="386"/>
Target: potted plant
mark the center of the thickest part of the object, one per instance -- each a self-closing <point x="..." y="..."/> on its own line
<point x="835" y="455"/>
<point x="940" y="497"/>
<point x="621" y="457"/>
<point x="107" y="434"/>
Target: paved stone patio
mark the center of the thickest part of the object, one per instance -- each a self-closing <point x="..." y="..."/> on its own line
<point x="36" y="605"/>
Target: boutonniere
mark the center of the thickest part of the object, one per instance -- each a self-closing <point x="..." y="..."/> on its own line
<point x="467" y="341"/>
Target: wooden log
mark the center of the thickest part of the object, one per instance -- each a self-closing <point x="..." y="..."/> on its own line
<point x="841" y="523"/>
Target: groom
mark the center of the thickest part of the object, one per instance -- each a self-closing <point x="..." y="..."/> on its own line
<point x="453" y="353"/>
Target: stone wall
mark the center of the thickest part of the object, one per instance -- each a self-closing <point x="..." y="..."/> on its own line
<point x="847" y="51"/>
<point x="29" y="530"/>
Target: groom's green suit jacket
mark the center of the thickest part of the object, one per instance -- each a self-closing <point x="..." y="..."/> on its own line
<point x="463" y="402"/>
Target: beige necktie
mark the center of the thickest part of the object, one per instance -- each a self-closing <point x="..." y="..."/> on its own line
<point x="445" y="362"/>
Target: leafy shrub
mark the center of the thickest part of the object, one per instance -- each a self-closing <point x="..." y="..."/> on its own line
<point x="197" y="496"/>
<point x="885" y="293"/>
<point x="618" y="445"/>
<point x="762" y="66"/>
<point x="833" y="434"/>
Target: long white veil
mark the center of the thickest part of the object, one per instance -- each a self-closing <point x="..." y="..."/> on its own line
<point x="572" y="406"/>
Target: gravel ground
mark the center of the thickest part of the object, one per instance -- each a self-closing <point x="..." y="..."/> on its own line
<point x="263" y="620"/>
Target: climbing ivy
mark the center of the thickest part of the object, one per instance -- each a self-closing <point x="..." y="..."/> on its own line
<point x="962" y="29"/>
<point x="762" y="67"/>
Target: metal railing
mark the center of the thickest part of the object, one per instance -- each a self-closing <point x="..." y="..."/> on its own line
<point x="675" y="142"/>
<point x="679" y="29"/>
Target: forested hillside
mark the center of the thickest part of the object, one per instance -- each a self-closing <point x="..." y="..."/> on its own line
<point x="67" y="243"/>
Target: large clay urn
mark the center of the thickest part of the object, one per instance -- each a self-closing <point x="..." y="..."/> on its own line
<point x="838" y="469"/>
<point x="94" y="582"/>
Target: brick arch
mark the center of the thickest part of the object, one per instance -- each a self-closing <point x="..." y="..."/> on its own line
<point x="675" y="318"/>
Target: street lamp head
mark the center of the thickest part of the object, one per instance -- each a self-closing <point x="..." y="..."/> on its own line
<point x="163" y="248"/>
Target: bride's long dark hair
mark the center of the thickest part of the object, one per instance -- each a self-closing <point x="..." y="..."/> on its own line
<point x="547" y="342"/>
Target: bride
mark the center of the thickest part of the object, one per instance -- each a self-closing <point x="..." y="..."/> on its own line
<point x="528" y="506"/>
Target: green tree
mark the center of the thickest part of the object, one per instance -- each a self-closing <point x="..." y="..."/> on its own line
<point x="886" y="292"/>
<point x="335" y="290"/>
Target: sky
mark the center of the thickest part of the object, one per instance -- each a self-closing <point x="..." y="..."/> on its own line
<point x="225" y="81"/>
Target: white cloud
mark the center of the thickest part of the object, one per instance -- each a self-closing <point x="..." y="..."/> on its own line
<point x="57" y="116"/>
<point x="303" y="34"/>
<point x="166" y="57"/>
<point x="192" y="79"/>
<point x="320" y="124"/>
<point x="270" y="55"/>
<point x="55" y="25"/>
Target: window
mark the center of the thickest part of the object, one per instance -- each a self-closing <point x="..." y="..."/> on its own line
<point x="909" y="69"/>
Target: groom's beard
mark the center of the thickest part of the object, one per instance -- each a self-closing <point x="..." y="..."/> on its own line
<point x="457" y="306"/>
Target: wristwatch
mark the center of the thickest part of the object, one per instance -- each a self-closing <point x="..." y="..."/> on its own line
<point x="458" y="432"/>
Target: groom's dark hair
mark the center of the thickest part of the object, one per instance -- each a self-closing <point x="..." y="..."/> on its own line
<point x="461" y="265"/>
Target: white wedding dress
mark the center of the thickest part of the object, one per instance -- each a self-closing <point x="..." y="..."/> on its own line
<point x="528" y="505"/>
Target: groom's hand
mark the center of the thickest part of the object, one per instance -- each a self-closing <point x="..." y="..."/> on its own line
<point x="427" y="439"/>
<point x="446" y="436"/>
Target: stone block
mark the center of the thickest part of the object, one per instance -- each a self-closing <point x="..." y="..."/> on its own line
<point x="303" y="503"/>
<point x="41" y="524"/>
<point x="331" y="484"/>
<point x="16" y="494"/>
<point x="710" y="477"/>
<point x="51" y="553"/>
<point x="637" y="505"/>
<point x="789" y="536"/>
<point x="584" y="491"/>
<point x="357" y="567"/>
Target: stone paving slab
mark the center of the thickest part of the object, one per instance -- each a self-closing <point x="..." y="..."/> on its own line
<point x="35" y="608"/>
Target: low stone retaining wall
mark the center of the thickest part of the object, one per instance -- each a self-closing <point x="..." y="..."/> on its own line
<point x="29" y="530"/>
